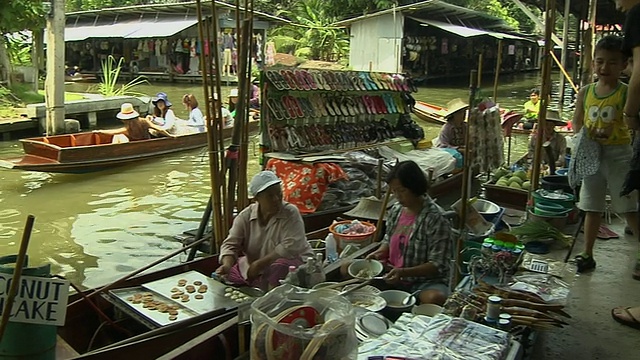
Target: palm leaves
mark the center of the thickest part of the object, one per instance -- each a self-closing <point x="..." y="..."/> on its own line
<point x="109" y="85"/>
<point x="312" y="36"/>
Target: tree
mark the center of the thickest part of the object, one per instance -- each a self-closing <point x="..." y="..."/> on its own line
<point x="17" y="16"/>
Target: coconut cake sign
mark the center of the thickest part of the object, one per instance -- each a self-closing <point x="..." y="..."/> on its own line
<point x="38" y="300"/>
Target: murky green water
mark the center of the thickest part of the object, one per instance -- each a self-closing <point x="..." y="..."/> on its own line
<point x="94" y="228"/>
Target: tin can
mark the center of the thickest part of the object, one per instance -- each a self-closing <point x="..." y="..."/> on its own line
<point x="493" y="307"/>
<point x="504" y="324"/>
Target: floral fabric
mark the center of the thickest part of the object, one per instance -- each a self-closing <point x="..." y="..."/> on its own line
<point x="303" y="184"/>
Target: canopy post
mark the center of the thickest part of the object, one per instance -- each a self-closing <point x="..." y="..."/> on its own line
<point x="544" y="95"/>
<point x="498" y="65"/>
<point x="563" y="54"/>
<point x="466" y="180"/>
<point x="589" y="45"/>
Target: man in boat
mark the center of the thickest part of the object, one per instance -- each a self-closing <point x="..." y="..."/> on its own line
<point x="598" y="117"/>
<point x="452" y="135"/>
<point x="265" y="239"/>
<point x="552" y="139"/>
<point x="135" y="128"/>
<point x="254" y="112"/>
<point x="531" y="109"/>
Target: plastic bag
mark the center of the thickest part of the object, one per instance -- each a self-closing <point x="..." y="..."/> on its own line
<point x="291" y="323"/>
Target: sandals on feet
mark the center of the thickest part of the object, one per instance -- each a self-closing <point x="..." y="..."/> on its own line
<point x="615" y="314"/>
<point x="585" y="264"/>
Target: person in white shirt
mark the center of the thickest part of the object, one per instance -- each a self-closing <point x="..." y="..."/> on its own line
<point x="196" y="117"/>
<point x="163" y="115"/>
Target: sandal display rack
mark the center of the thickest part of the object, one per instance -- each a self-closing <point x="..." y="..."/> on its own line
<point x="312" y="111"/>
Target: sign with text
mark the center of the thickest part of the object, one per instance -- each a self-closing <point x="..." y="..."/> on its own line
<point x="38" y="300"/>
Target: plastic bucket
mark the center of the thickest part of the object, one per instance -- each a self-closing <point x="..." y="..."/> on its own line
<point x="27" y="341"/>
<point x="556" y="182"/>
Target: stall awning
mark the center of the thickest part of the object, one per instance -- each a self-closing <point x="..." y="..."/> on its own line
<point x="161" y="28"/>
<point x="128" y="30"/>
<point x="465" y="31"/>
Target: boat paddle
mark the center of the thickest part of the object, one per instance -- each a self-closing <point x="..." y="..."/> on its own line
<point x="138" y="271"/>
<point x="17" y="273"/>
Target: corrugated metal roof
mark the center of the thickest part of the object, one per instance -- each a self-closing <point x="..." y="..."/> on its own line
<point x="467" y="32"/>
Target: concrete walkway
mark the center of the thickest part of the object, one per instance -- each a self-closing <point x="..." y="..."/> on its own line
<point x="592" y="333"/>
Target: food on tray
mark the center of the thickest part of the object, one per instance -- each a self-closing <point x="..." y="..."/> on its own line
<point x="363" y="303"/>
<point x="229" y="290"/>
<point x="182" y="282"/>
<point x="173" y="312"/>
<point x="173" y="317"/>
<point x="175" y="290"/>
<point x="175" y="296"/>
<point x="190" y="289"/>
<point x="199" y="296"/>
<point x="197" y="283"/>
<point x="202" y="289"/>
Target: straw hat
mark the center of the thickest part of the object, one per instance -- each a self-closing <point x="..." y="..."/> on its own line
<point x="554" y="117"/>
<point x="127" y="112"/>
<point x="453" y="107"/>
<point x="233" y="93"/>
<point x="367" y="208"/>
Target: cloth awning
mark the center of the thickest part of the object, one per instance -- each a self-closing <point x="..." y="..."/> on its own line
<point x="128" y="30"/>
<point x="465" y="31"/>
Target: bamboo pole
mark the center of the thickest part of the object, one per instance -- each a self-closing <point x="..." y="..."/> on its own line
<point x="495" y="79"/>
<point x="588" y="45"/>
<point x="243" y="197"/>
<point x="544" y="95"/>
<point x="17" y="273"/>
<point x="480" y="65"/>
<point x="466" y="177"/>
<point x="563" y="56"/>
<point x="211" y="119"/>
<point x="564" y="73"/>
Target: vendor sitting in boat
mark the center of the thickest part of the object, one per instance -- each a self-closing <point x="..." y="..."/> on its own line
<point x="135" y="128"/>
<point x="233" y="103"/>
<point x="417" y="246"/>
<point x="452" y="134"/>
<point x="552" y="139"/>
<point x="265" y="239"/>
<point x="531" y="109"/>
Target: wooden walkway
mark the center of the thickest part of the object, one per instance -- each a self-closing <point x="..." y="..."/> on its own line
<point x="7" y="126"/>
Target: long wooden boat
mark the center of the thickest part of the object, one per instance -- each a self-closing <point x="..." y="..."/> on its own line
<point x="114" y="334"/>
<point x="431" y="113"/>
<point x="88" y="152"/>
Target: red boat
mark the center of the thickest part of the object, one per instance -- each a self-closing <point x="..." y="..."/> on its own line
<point x="88" y="152"/>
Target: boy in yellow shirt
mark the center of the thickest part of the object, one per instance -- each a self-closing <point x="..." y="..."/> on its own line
<point x="599" y="108"/>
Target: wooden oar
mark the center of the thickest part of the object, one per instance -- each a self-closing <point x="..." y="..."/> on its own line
<point x="136" y="272"/>
<point x="17" y="273"/>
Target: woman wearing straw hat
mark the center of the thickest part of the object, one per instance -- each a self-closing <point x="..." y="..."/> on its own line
<point x="135" y="128"/>
<point x="557" y="141"/>
<point x="452" y="135"/>
<point x="265" y="239"/>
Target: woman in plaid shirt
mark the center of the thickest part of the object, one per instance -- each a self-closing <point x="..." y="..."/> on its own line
<point x="419" y="240"/>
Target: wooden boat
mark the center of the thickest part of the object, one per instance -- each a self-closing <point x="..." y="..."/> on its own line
<point x="80" y="78"/>
<point x="88" y="152"/>
<point x="431" y="114"/>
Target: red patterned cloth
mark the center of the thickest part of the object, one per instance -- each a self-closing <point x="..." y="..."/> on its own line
<point x="303" y="185"/>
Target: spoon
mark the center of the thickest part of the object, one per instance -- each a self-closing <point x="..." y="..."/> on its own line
<point x="407" y="300"/>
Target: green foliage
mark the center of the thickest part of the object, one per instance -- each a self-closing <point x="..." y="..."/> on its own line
<point x="312" y="37"/>
<point x="19" y="49"/>
<point x="77" y="5"/>
<point x="110" y="75"/>
<point x="20" y="15"/>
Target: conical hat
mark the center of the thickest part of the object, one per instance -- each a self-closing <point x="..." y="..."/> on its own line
<point x="453" y="107"/>
<point x="368" y="208"/>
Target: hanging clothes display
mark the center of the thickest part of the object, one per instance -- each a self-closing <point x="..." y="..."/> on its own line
<point x="485" y="138"/>
<point x="270" y="53"/>
<point x="194" y="64"/>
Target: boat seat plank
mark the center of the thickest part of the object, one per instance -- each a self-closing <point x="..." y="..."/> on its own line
<point x="72" y="140"/>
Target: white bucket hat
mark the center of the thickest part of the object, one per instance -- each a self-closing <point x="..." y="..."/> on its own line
<point x="261" y="181"/>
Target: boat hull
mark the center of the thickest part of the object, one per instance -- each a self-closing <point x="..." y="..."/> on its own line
<point x="90" y="152"/>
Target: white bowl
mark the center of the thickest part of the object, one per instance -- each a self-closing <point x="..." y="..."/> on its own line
<point x="370" y="302"/>
<point x="427" y="309"/>
<point x="486" y="207"/>
<point x="323" y="285"/>
<point x="394" y="300"/>
<point x="373" y="267"/>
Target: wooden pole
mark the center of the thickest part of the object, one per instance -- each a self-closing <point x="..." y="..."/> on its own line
<point x="577" y="61"/>
<point x="544" y="94"/>
<point x="466" y="179"/>
<point x="17" y="273"/>
<point x="565" y="46"/>
<point x="564" y="73"/>
<point x="588" y="45"/>
<point x="54" y="83"/>
<point x="480" y="65"/>
<point x="498" y="65"/>
<point x="243" y="198"/>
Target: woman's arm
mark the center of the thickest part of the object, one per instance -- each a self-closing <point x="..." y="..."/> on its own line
<point x="234" y="243"/>
<point x="438" y="246"/>
<point x="112" y="132"/>
<point x="158" y="128"/>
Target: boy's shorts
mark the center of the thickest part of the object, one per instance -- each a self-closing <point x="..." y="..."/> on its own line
<point x="614" y="166"/>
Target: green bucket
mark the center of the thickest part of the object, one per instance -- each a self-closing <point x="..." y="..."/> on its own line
<point x="26" y="341"/>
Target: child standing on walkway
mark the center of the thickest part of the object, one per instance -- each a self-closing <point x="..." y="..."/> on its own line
<point x="599" y="108"/>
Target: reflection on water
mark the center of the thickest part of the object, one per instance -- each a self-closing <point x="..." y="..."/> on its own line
<point x="96" y="227"/>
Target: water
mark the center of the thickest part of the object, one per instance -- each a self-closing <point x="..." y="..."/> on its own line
<point x="94" y="228"/>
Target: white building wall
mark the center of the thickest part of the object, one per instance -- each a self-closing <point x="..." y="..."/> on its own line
<point x="376" y="43"/>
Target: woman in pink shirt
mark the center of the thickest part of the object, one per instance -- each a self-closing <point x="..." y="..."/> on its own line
<point x="265" y="239"/>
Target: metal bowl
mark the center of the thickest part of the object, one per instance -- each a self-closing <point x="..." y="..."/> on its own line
<point x="485" y="207"/>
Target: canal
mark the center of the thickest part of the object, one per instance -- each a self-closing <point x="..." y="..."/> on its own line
<point x="94" y="228"/>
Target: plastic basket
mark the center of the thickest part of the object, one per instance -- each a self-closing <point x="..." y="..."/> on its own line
<point x="358" y="241"/>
